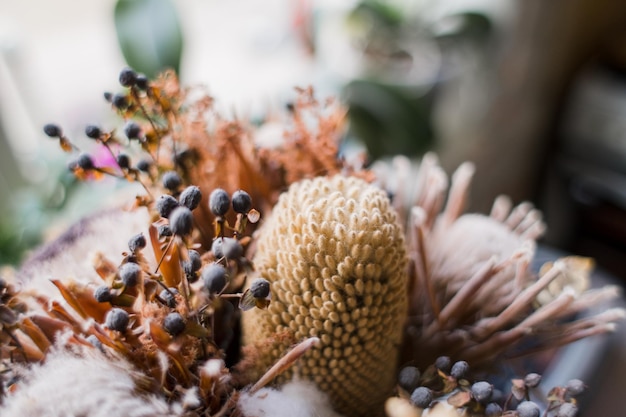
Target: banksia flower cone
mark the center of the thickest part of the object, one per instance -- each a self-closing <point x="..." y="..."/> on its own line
<point x="336" y="260"/>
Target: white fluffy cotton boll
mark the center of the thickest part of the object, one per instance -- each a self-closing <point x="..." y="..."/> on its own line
<point x="295" y="399"/>
<point x="86" y="385"/>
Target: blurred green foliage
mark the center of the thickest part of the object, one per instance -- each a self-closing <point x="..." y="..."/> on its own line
<point x="390" y="107"/>
<point x="31" y="210"/>
<point x="149" y="34"/>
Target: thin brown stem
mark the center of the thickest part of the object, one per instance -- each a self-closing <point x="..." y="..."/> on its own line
<point x="285" y="362"/>
<point x="167" y="248"/>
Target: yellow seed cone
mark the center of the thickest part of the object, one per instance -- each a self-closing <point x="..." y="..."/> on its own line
<point x="336" y="260"/>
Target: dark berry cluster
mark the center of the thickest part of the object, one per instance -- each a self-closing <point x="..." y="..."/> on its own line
<point x="450" y="381"/>
<point x="145" y="111"/>
<point x="190" y="296"/>
<point x="220" y="203"/>
<point x="83" y="164"/>
<point x="127" y="277"/>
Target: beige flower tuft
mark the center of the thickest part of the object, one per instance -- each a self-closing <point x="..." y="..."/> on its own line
<point x="335" y="257"/>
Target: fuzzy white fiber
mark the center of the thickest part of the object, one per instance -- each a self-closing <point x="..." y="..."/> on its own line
<point x="90" y="385"/>
<point x="295" y="399"/>
<point x="71" y="254"/>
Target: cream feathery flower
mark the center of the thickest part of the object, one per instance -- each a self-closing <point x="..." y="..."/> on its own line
<point x="86" y="383"/>
<point x="335" y="256"/>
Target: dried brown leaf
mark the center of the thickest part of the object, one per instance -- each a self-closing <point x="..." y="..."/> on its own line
<point x="35" y="334"/>
<point x="460" y="399"/>
<point x="81" y="298"/>
<point x="163" y="341"/>
<point x="170" y="266"/>
<point x="50" y="326"/>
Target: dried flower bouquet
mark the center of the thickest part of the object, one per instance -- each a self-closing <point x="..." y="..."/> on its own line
<point x="248" y="280"/>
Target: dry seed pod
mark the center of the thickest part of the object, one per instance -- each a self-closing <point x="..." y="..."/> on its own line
<point x="336" y="260"/>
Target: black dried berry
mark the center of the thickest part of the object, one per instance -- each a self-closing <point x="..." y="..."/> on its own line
<point x="164" y="230"/>
<point x="242" y="203"/>
<point x="214" y="277"/>
<point x="409" y="378"/>
<point x="216" y="247"/>
<point x="53" y="130"/>
<point x="567" y="410"/>
<point x="422" y="397"/>
<point x="132" y="130"/>
<point x="493" y="410"/>
<point x="169" y="297"/>
<point x="443" y="363"/>
<point x="128" y="77"/>
<point x="123" y="161"/>
<point x="85" y="162"/>
<point x="174" y="324"/>
<point x="459" y="369"/>
<point x="117" y="319"/>
<point x="120" y="101"/>
<point x="193" y="264"/>
<point x="144" y="165"/>
<point x="181" y="221"/>
<point x="528" y="409"/>
<point x="165" y="204"/>
<point x="129" y="273"/>
<point x="102" y="294"/>
<point x="188" y="269"/>
<point x="219" y="202"/>
<point x="227" y="247"/>
<point x="72" y="165"/>
<point x="171" y="180"/>
<point x="532" y="380"/>
<point x="482" y="391"/>
<point x="575" y="387"/>
<point x="93" y="132"/>
<point x="190" y="197"/>
<point x="141" y="82"/>
<point x="137" y="242"/>
<point x="108" y="96"/>
<point x="95" y="342"/>
<point x="260" y="288"/>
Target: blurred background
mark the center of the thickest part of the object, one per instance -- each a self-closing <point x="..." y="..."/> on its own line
<point x="533" y="92"/>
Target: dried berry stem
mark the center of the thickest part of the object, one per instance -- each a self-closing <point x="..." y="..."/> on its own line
<point x="285" y="362"/>
<point x="167" y="248"/>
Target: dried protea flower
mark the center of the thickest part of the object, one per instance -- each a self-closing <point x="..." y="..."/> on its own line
<point x="335" y="257"/>
<point x="473" y="293"/>
<point x="329" y="304"/>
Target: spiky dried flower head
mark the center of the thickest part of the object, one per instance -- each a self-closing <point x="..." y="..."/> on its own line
<point x="473" y="293"/>
<point x="335" y="257"/>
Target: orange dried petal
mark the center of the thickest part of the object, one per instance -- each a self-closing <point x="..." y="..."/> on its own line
<point x="81" y="298"/>
<point x="163" y="341"/>
<point x="170" y="267"/>
<point x="50" y="326"/>
<point x="35" y="334"/>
